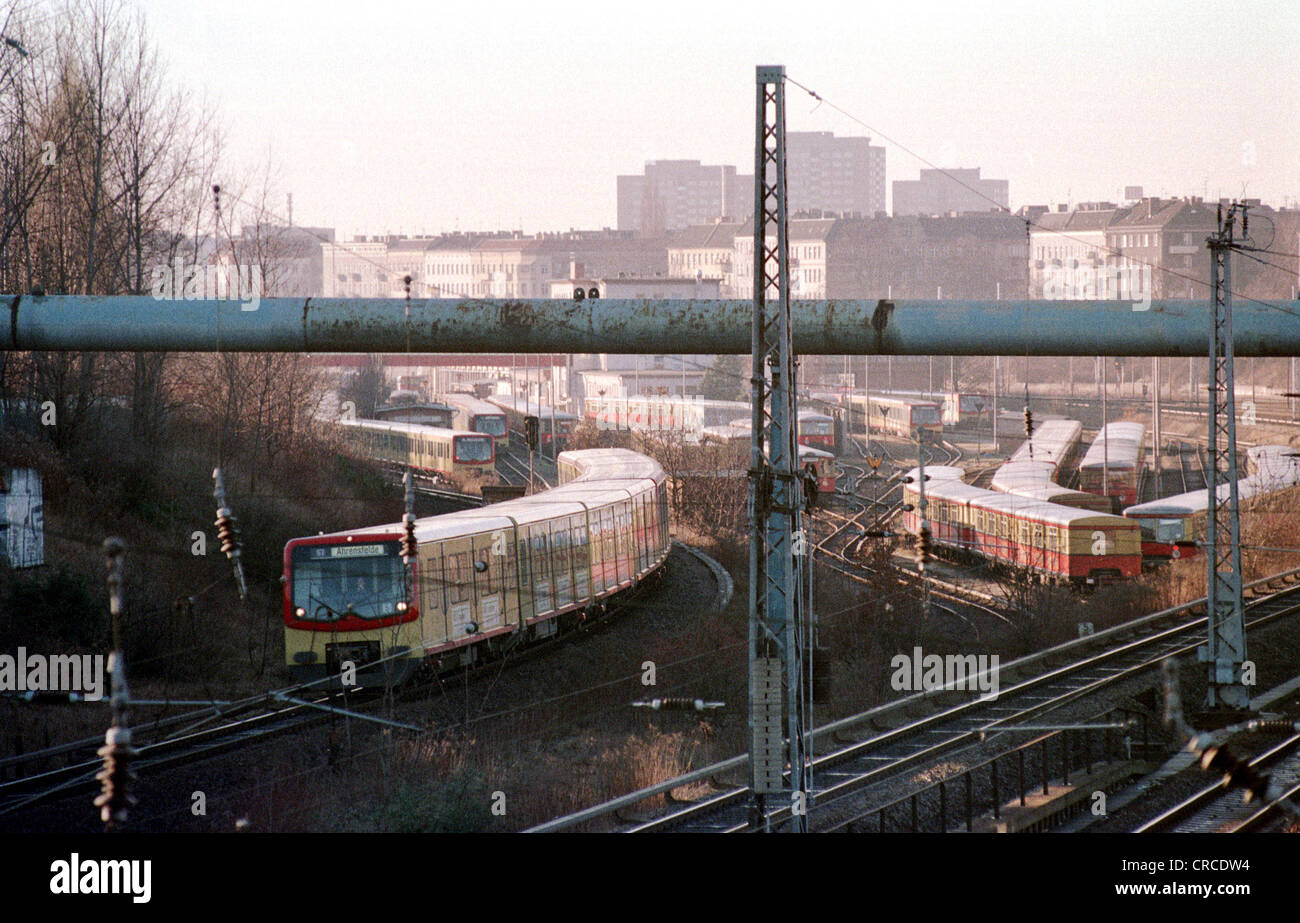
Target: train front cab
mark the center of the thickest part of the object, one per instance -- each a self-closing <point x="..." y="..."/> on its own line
<point x="347" y="602"/>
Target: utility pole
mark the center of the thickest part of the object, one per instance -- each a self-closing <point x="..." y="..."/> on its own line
<point x="1225" y="651"/>
<point x="1155" y="417"/>
<point x="1101" y="434"/>
<point x="776" y="623"/>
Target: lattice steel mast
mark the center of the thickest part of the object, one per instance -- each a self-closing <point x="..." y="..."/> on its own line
<point x="776" y="622"/>
<point x="1226" y="650"/>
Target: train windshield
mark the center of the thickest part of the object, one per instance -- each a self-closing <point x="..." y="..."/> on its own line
<point x="473" y="448"/>
<point x="924" y="414"/>
<point x="354" y="580"/>
<point x="492" y="424"/>
<point x="973" y="403"/>
<point x="814" y="427"/>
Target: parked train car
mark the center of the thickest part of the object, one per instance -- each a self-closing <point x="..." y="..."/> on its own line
<point x="900" y="416"/>
<point x="482" y="580"/>
<point x="821" y="462"/>
<point x="1116" y="457"/>
<point x="816" y="429"/>
<point x="515" y="416"/>
<point x="660" y="414"/>
<point x="447" y="453"/>
<point x="962" y="410"/>
<point x="1172" y="526"/>
<point x="471" y="413"/>
<point x="423" y="412"/>
<point x="1060" y="542"/>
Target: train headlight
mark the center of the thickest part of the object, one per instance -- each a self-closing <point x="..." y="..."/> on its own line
<point x="480" y="566"/>
<point x="300" y="612"/>
<point x="401" y="606"/>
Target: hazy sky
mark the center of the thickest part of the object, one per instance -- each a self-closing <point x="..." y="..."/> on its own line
<point x="421" y="117"/>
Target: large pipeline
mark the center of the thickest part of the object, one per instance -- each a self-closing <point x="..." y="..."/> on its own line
<point x="651" y="326"/>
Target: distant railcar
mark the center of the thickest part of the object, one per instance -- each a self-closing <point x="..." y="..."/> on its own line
<point x="1172" y="527"/>
<point x="899" y="416"/>
<point x="451" y="454"/>
<point x="479" y="416"/>
<point x="1113" y="464"/>
<point x="516" y="416"/>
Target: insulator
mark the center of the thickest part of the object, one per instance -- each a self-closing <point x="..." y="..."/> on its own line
<point x="408" y="548"/>
<point x="923" y="544"/>
<point x="115" y="799"/>
<point x="1029" y="422"/>
<point x="677" y="703"/>
<point x="1236" y="772"/>
<point x="227" y="533"/>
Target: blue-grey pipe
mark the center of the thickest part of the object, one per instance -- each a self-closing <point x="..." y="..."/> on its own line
<point x="324" y="325"/>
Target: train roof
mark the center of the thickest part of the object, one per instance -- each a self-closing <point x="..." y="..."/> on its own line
<point x="1051" y="441"/>
<point x="470" y="404"/>
<point x="533" y="408"/>
<point x="1197" y="501"/>
<point x="940" y="473"/>
<point x="607" y="475"/>
<point x="813" y="415"/>
<point x="905" y="401"/>
<point x="410" y="429"/>
<point x="1117" y="445"/>
<point x="1019" y="475"/>
<point x="611" y="464"/>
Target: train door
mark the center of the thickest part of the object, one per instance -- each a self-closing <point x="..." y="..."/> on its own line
<point x="524" y="577"/>
<point x="433" y="601"/>
<point x="581" y="557"/>
<point x="489" y="582"/>
<point x="541" y="567"/>
<point x="562" y="562"/>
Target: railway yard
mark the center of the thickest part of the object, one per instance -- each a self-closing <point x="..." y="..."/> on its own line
<point x="1072" y="715"/>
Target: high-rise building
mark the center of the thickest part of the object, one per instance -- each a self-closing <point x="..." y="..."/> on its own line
<point x="943" y="192"/>
<point x="829" y="174"/>
<point x="674" y="194"/>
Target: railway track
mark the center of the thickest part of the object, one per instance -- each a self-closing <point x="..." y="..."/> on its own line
<point x="178" y="739"/>
<point x="513" y="468"/>
<point x="223" y="726"/>
<point x="1027" y="688"/>
<point x="1215" y="809"/>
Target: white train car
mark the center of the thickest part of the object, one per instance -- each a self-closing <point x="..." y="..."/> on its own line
<point x="483" y="579"/>
<point x="1172" y="526"/>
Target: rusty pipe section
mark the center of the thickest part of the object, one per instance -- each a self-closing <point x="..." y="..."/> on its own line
<point x="652" y="326"/>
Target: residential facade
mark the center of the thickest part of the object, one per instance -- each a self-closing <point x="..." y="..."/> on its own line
<point x="826" y="173"/>
<point x="943" y="192"/>
<point x="674" y="194"/>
